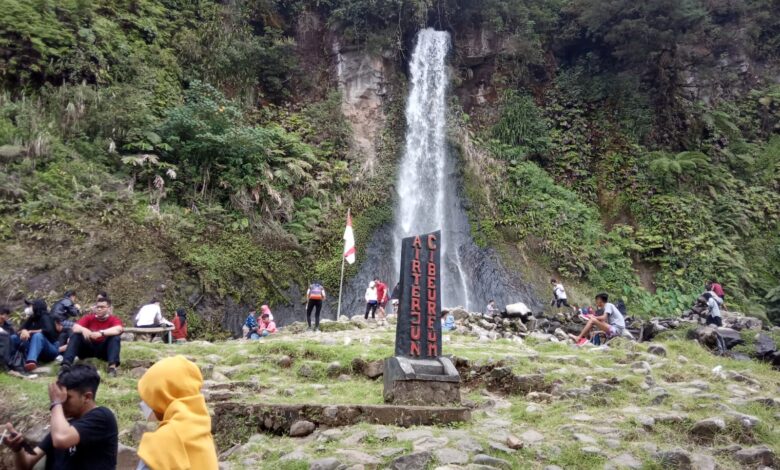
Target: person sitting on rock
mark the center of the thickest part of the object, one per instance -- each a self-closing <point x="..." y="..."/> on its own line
<point x="96" y="335"/>
<point x="170" y="392"/>
<point x="265" y="327"/>
<point x="180" y="326"/>
<point x="9" y="340"/>
<point x="607" y="319"/>
<point x="713" y="310"/>
<point x="81" y="435"/>
<point x="150" y="316"/>
<point x="266" y="309"/>
<point x="68" y="310"/>
<point x="448" y="322"/>
<point x="250" y="325"/>
<point x="491" y="310"/>
<point x="38" y="337"/>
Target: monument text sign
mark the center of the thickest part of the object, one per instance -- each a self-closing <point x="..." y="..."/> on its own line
<point x="418" y="333"/>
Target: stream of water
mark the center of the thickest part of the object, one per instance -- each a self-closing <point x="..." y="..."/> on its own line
<point x="426" y="181"/>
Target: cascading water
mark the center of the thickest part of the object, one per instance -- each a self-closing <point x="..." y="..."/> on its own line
<point x="429" y="197"/>
<point x="426" y="175"/>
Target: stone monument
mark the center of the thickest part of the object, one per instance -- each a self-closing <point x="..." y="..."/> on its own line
<point x="418" y="374"/>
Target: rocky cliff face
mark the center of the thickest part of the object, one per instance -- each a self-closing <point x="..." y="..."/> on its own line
<point x="361" y="78"/>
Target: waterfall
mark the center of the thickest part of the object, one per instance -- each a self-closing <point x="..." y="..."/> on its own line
<point x="430" y="197"/>
<point x="426" y="180"/>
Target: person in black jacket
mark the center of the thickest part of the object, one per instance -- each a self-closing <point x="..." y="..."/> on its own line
<point x="67" y="309"/>
<point x="9" y="340"/>
<point x="39" y="335"/>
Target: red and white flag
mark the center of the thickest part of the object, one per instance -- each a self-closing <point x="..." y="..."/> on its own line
<point x="349" y="241"/>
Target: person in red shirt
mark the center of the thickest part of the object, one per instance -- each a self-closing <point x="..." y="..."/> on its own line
<point x="96" y="335"/>
<point x="381" y="297"/>
<point x="180" y="326"/>
<point x="718" y="289"/>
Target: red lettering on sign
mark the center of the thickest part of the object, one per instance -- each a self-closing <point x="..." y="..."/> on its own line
<point x="415" y="334"/>
<point x="414" y="349"/>
<point x="431" y="320"/>
<point x="431" y="268"/>
<point x="417" y="243"/>
<point x="431" y="242"/>
<point x="431" y="335"/>
<point x="415" y="266"/>
<point x="415" y="304"/>
<point x="416" y="279"/>
<point x="431" y="283"/>
<point x="416" y="291"/>
<point x="433" y="349"/>
<point x="431" y="308"/>
<point x="415" y="318"/>
<point x="416" y="253"/>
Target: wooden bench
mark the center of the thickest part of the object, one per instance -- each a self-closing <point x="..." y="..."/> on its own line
<point x="158" y="330"/>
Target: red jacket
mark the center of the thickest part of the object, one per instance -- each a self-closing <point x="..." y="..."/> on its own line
<point x="179" y="330"/>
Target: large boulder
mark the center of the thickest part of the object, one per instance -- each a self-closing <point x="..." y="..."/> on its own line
<point x="743" y="323"/>
<point x="459" y="313"/>
<point x="518" y="309"/>
<point x="707" y="429"/>
<point x="765" y="346"/>
<point x="710" y="337"/>
<point x="759" y="455"/>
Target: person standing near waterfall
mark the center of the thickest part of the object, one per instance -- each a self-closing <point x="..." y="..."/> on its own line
<point x="314" y="297"/>
<point x="381" y="297"/>
<point x="371" y="300"/>
<point x="559" y="295"/>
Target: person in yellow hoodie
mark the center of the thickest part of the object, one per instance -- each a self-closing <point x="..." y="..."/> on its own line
<point x="170" y="390"/>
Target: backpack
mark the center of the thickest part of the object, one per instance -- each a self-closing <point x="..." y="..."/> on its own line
<point x="315" y="292"/>
<point x="621" y="306"/>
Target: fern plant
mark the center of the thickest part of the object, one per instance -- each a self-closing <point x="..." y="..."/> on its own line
<point x="670" y="170"/>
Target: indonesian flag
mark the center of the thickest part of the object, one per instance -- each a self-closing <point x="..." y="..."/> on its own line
<point x="349" y="241"/>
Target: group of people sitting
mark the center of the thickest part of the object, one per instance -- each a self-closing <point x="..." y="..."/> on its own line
<point x="259" y="326"/>
<point x="150" y="316"/>
<point x="64" y="333"/>
<point x="83" y="435"/>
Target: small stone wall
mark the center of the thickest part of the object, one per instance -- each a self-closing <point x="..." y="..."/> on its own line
<point x="234" y="422"/>
<point x="423" y="392"/>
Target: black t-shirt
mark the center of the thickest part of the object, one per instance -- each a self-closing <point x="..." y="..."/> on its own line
<point x="97" y="445"/>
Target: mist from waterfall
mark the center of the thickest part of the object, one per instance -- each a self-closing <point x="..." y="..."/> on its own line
<point x="426" y="182"/>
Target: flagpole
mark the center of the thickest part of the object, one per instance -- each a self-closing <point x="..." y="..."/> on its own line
<point x="341" y="283"/>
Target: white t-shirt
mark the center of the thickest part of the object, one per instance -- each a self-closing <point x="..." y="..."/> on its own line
<point x="148" y="315"/>
<point x="560" y="293"/>
<point x="614" y="317"/>
<point x="712" y="306"/>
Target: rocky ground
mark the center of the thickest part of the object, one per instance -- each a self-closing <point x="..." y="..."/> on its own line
<point x="534" y="403"/>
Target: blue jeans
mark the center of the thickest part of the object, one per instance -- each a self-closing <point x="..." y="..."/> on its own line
<point x="39" y="349"/>
<point x="259" y="335"/>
